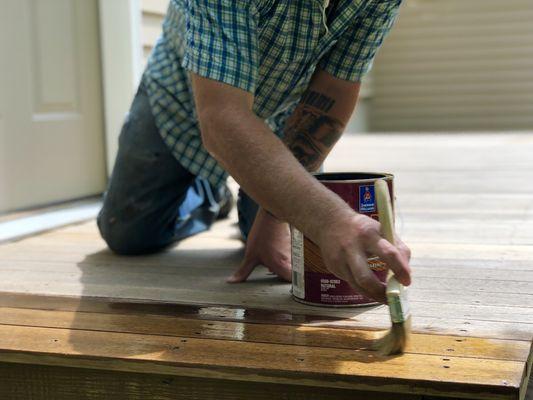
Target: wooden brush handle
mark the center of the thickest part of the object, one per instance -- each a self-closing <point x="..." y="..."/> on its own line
<point x="386" y="217"/>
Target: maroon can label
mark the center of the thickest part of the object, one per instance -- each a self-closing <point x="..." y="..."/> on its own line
<point x="311" y="281"/>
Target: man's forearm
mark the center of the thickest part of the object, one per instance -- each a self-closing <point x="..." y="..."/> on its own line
<point x="310" y="132"/>
<point x="262" y="164"/>
<point x="272" y="176"/>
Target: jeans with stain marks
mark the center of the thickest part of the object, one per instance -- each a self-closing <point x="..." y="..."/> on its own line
<point x="152" y="201"/>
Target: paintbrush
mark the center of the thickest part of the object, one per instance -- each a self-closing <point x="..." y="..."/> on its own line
<point x="395" y="340"/>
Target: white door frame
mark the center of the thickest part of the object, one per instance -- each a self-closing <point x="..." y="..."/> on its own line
<point x="120" y="37"/>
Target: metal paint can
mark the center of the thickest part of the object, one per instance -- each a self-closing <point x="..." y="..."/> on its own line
<point x="312" y="283"/>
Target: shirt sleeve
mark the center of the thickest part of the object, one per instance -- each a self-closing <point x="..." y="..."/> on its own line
<point x="221" y="42"/>
<point x="354" y="52"/>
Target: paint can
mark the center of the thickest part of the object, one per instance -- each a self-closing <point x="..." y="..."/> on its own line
<point x="312" y="283"/>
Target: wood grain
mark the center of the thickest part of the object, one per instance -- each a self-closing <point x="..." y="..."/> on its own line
<point x="360" y="318"/>
<point x="228" y="359"/>
<point x="189" y="325"/>
<point x="39" y="382"/>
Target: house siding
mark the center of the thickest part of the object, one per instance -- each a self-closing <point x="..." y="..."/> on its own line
<point x="456" y="65"/>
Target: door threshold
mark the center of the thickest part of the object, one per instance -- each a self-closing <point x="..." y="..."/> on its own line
<point x="18" y="225"/>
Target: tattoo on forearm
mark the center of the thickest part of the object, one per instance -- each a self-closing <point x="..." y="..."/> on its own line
<point x="318" y="100"/>
<point x="310" y="132"/>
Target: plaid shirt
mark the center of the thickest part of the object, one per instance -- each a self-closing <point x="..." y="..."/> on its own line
<point x="267" y="47"/>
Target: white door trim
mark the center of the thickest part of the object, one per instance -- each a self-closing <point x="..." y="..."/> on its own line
<point x="120" y="37"/>
<point x="48" y="219"/>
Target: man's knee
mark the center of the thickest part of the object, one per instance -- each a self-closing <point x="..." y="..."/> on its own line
<point x="125" y="239"/>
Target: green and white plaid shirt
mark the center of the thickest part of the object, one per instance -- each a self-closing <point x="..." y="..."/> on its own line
<point x="267" y="47"/>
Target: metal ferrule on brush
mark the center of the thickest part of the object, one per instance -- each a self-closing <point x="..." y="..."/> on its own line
<point x="397" y="301"/>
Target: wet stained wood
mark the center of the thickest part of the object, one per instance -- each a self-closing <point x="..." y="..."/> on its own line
<point x="352" y="318"/>
<point x="240" y="360"/>
<point x="311" y="334"/>
<point x="467" y="320"/>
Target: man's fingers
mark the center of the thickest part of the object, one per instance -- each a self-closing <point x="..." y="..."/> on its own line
<point x="365" y="279"/>
<point x="282" y="270"/>
<point x="396" y="261"/>
<point x="344" y="274"/>
<point x="243" y="272"/>
<point x="406" y="251"/>
<point x="358" y="274"/>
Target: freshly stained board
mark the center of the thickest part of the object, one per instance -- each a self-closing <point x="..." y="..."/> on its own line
<point x="230" y="323"/>
<point x="185" y="341"/>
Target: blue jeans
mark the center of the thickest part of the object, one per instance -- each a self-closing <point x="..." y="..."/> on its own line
<point x="152" y="201"/>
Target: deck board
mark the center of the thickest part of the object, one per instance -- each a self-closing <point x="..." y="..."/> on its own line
<point x="53" y="313"/>
<point x="265" y="362"/>
<point x="465" y="207"/>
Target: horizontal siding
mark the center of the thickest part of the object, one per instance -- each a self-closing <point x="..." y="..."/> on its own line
<point x="157" y="7"/>
<point x="456" y="65"/>
<point x="153" y="12"/>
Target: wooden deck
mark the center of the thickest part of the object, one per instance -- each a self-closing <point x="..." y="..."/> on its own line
<point x="79" y="322"/>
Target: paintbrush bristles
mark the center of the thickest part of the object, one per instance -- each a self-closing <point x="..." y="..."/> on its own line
<point x="395" y="340"/>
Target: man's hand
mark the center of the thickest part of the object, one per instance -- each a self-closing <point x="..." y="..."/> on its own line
<point x="347" y="243"/>
<point x="268" y="244"/>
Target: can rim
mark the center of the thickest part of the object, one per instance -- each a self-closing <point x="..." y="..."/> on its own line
<point x="350" y="177"/>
